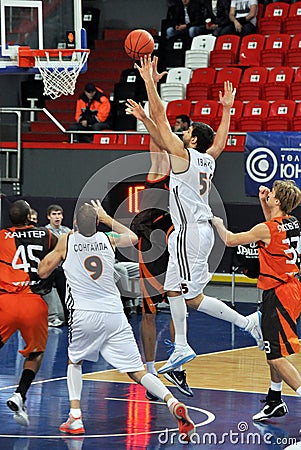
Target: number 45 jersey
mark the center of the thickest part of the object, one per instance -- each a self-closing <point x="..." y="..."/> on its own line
<point x="281" y="258"/>
<point x="89" y="269"/>
<point x="189" y="190"/>
<point x="21" y="250"/>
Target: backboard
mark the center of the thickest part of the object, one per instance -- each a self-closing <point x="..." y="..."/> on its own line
<point x="38" y="24"/>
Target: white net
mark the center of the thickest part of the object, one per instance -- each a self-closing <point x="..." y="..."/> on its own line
<point x="59" y="76"/>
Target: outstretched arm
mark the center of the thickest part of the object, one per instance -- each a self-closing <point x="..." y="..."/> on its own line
<point x="124" y="236"/>
<point x="171" y="142"/>
<point x="220" y="138"/>
<point x="54" y="258"/>
<point x="260" y="232"/>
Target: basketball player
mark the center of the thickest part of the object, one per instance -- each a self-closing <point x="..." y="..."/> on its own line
<point x="22" y="308"/>
<point x="278" y="241"/>
<point x="153" y="226"/>
<point x="97" y="322"/>
<point x="192" y="162"/>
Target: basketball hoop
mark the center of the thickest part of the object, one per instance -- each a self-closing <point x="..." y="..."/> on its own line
<point x="59" y="68"/>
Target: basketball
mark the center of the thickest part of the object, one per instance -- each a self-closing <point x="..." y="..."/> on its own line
<point x="139" y="43"/>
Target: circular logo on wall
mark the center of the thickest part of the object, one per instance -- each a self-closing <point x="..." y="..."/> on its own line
<point x="261" y="165"/>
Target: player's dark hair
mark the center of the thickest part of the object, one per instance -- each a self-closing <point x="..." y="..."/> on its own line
<point x="288" y="194"/>
<point x="18" y="212"/>
<point x="86" y="218"/>
<point x="204" y="134"/>
<point x="54" y="207"/>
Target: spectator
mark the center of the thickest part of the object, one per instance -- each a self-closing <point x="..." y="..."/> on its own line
<point x="55" y="217"/>
<point x="221" y="19"/>
<point x="187" y="19"/>
<point x="242" y="16"/>
<point x="182" y="123"/>
<point x="92" y="111"/>
<point x="33" y="215"/>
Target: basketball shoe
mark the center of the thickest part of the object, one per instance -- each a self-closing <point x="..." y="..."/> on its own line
<point x="181" y="355"/>
<point x="74" y="425"/>
<point x="186" y="425"/>
<point x="254" y="328"/>
<point x="178" y="378"/>
<point x="272" y="408"/>
<point x="16" y="404"/>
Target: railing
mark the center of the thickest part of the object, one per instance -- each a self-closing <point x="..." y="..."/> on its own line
<point x="12" y="172"/>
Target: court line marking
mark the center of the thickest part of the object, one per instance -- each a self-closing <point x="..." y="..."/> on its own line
<point x="210" y="418"/>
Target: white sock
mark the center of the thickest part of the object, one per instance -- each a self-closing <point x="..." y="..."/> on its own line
<point x="276" y="386"/>
<point x="150" y="367"/>
<point x="216" y="308"/>
<point x="74" y="381"/>
<point x="178" y="312"/>
<point x="75" y="412"/>
<point x="154" y="385"/>
<point x="299" y="391"/>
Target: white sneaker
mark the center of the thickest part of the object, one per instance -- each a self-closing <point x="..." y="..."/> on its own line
<point x="181" y="355"/>
<point x="254" y="328"/>
<point x="73" y="425"/>
<point x="16" y="404"/>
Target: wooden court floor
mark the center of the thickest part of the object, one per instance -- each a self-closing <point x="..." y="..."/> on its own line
<point x="229" y="377"/>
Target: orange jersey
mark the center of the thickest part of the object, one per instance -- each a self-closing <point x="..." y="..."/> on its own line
<point x="280" y="259"/>
<point x="21" y="250"/>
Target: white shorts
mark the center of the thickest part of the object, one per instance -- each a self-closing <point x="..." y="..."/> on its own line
<point x="189" y="249"/>
<point x="93" y="333"/>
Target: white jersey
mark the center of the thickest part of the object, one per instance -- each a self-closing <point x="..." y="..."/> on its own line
<point x="189" y="190"/>
<point x="89" y="270"/>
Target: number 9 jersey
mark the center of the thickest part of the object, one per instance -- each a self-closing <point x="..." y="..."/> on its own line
<point x="21" y="250"/>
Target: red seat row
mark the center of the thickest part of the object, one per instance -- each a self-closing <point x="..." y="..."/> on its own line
<point x="255" y="83"/>
<point x="257" y="50"/>
<point x="280" y="17"/>
<point x="256" y="115"/>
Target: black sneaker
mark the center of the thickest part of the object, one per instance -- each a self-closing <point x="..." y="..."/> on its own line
<point x="178" y="378"/>
<point x="272" y="408"/>
<point x="151" y="397"/>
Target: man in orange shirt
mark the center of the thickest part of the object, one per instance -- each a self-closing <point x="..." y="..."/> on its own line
<point x="278" y="241"/>
<point x="21" y="306"/>
<point x="92" y="111"/>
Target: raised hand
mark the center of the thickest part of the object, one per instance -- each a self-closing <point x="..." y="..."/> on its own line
<point x="135" y="109"/>
<point x="145" y="68"/>
<point x="229" y="94"/>
<point x="156" y="75"/>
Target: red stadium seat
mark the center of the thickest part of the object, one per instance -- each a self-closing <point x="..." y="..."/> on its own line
<point x="225" y="51"/>
<point x="205" y="111"/>
<point x="275" y="50"/>
<point x="292" y="23"/>
<point x="293" y="55"/>
<point x="273" y="18"/>
<point x="201" y="79"/>
<point x="251" y="84"/>
<point x="253" y="116"/>
<point x="295" y="90"/>
<point x="280" y="116"/>
<point x="236" y="113"/>
<point x="250" y="49"/>
<point x="278" y="84"/>
<point x="232" y="74"/>
<point x="296" y="123"/>
<point x="175" y="108"/>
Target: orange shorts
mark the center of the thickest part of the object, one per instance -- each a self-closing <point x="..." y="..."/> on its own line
<point x="27" y="313"/>
<point x="281" y="308"/>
